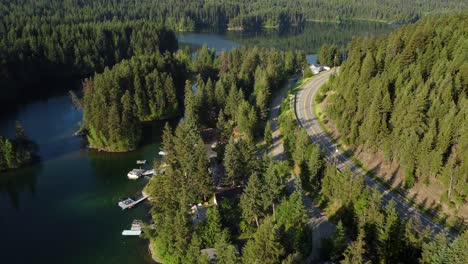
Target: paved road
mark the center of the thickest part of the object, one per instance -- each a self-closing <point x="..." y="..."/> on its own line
<point x="320" y="225"/>
<point x="307" y="119"/>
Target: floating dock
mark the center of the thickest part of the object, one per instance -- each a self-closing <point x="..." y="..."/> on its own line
<point x="129" y="202"/>
<point x="137" y="173"/>
<point x="135" y="230"/>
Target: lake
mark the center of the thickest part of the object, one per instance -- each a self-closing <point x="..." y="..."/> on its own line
<point x="64" y="209"/>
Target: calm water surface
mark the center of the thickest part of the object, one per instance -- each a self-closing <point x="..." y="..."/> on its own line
<point x="64" y="209"/>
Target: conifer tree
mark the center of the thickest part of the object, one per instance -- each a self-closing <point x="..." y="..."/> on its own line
<point x="203" y="181"/>
<point x="212" y="230"/>
<point x="265" y="247"/>
<point x="225" y="252"/>
<point x="268" y="136"/>
<point x="233" y="162"/>
<point x="251" y="200"/>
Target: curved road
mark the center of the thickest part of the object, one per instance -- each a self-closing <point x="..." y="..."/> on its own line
<point x="318" y="222"/>
<point x="307" y="119"/>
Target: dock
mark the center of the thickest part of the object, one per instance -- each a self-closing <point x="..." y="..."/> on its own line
<point x="129" y="202"/>
<point x="137" y="173"/>
<point x="135" y="230"/>
<point x="148" y="172"/>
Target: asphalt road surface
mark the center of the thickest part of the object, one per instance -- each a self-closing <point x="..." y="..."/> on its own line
<point x="318" y="222"/>
<point x="307" y="119"/>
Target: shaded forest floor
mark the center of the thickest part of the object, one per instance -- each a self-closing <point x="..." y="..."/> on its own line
<point x="426" y="193"/>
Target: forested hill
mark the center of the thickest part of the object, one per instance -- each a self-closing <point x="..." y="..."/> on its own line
<point x="151" y="86"/>
<point x="39" y="57"/>
<point x="407" y="96"/>
<point x="190" y="14"/>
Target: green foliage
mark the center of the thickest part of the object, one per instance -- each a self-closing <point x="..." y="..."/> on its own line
<point x="17" y="152"/>
<point x="226" y="253"/>
<point x="211" y="231"/>
<point x="38" y="46"/>
<point x="406" y="95"/>
<point x="330" y="55"/>
<point x="265" y="246"/>
<point x="442" y="251"/>
<point x="251" y="200"/>
<point x="118" y="99"/>
<point x="268" y="136"/>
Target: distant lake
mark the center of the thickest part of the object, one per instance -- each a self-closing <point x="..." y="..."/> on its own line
<point x="308" y="38"/>
<point x="64" y="209"/>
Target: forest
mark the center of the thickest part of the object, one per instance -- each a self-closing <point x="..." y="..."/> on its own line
<point x="44" y="44"/>
<point x="17" y="152"/>
<point x="232" y="97"/>
<point x="151" y="87"/>
<point x="36" y="59"/>
<point x="260" y="219"/>
<point x="406" y="96"/>
<point x="366" y="231"/>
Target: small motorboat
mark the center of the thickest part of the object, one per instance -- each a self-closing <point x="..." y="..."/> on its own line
<point x="135" y="174"/>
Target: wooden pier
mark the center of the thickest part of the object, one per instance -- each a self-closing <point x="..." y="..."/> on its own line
<point x="129" y="202"/>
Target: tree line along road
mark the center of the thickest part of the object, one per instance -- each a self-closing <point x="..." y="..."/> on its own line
<point x="306" y="118"/>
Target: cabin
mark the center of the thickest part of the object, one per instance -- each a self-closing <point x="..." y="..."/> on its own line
<point x="211" y="253"/>
<point x="317" y="68"/>
<point x="233" y="193"/>
<point x="198" y="213"/>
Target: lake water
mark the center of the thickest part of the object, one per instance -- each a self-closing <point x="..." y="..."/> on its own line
<point x="64" y="209"/>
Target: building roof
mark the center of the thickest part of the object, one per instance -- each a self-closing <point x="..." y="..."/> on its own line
<point x="211" y="253"/>
<point x="227" y="193"/>
<point x="198" y="213"/>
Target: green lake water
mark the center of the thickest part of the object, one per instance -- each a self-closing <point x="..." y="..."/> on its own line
<point x="64" y="209"/>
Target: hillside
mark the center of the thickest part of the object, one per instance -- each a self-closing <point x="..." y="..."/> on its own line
<point x="401" y="105"/>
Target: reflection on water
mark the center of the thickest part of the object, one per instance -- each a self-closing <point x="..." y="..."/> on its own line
<point x="64" y="209"/>
<point x="24" y="181"/>
<point x="309" y="37"/>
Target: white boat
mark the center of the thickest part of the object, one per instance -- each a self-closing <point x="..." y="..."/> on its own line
<point x="162" y="153"/>
<point x="135" y="174"/>
<point x="141" y="162"/>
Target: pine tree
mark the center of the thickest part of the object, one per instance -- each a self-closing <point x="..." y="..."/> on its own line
<point x="212" y="229"/>
<point x="251" y="200"/>
<point x="338" y="242"/>
<point x="193" y="251"/>
<point x="233" y="162"/>
<point x="130" y="125"/>
<point x="225" y="252"/>
<point x="265" y="247"/>
<point x="202" y="179"/>
<point x="141" y="100"/>
<point x="232" y="101"/>
<point x="190" y="106"/>
<point x="268" y="136"/>
<point x="354" y="253"/>
<point x="223" y="128"/>
<point x="275" y="177"/>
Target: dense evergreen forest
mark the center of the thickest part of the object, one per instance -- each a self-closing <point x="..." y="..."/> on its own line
<point x="406" y="96"/>
<point x="366" y="232"/>
<point x="16" y="152"/>
<point x="232" y="96"/>
<point x="36" y="57"/>
<point x="150" y="87"/>
<point x="46" y="43"/>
